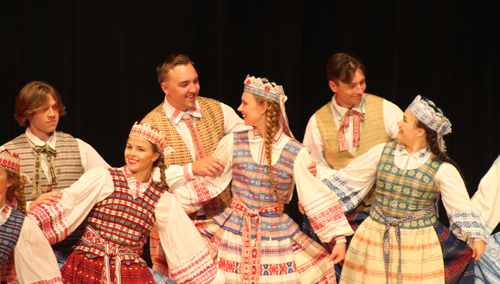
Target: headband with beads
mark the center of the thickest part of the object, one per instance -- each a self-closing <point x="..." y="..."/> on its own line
<point x="262" y="87"/>
<point x="433" y="117"/>
<point x="153" y="135"/>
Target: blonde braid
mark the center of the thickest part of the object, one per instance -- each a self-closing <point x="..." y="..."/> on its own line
<point x="273" y="109"/>
<point x="160" y="163"/>
<point x="17" y="189"/>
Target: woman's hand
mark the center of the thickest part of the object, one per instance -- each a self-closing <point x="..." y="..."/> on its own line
<point x="478" y="248"/>
<point x="46" y="198"/>
<point x="338" y="252"/>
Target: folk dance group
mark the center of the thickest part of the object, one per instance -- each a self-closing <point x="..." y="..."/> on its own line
<point x="209" y="189"/>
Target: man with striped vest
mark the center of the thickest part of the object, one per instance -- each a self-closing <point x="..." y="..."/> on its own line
<point x="350" y="124"/>
<point x="53" y="160"/>
<point x="194" y="126"/>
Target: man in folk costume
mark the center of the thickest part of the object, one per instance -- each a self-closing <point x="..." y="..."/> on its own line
<point x="54" y="160"/>
<point x="194" y="126"/>
<point x="347" y="126"/>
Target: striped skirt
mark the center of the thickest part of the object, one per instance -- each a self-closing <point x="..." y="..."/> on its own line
<point x="421" y="256"/>
<point x="297" y="259"/>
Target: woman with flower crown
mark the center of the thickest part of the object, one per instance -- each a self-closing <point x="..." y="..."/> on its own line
<point x="25" y="254"/>
<point x="402" y="240"/>
<point x="120" y="207"/>
<point x="253" y="241"/>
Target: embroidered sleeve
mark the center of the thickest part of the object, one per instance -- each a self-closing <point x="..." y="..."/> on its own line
<point x="52" y="221"/>
<point x="186" y="253"/>
<point x="465" y="223"/>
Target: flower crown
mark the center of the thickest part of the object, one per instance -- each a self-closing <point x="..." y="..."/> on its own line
<point x="262" y="87"/>
<point x="10" y="162"/>
<point x="153" y="135"/>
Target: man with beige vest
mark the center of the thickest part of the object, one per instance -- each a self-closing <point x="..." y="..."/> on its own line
<point x="52" y="159"/>
<point x="194" y="126"/>
<point x="350" y="124"/>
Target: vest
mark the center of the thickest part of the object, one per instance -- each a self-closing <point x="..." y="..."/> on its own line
<point x="67" y="162"/>
<point x="121" y="220"/>
<point x="210" y="127"/>
<point x="372" y="133"/>
<point x="252" y="189"/>
<point x="401" y="192"/>
<point x="9" y="235"/>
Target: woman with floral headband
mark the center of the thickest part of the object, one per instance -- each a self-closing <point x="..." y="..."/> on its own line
<point x="253" y="241"/>
<point x="120" y="207"/>
<point x="25" y="254"/>
<point x="402" y="241"/>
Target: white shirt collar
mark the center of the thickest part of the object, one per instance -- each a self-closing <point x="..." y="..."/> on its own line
<point x="421" y="155"/>
<point x="175" y="115"/>
<point x="340" y="111"/>
<point x="253" y="136"/>
<point x="37" y="141"/>
<point x="137" y="188"/>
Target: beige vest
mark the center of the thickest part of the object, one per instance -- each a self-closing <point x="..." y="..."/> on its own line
<point x="372" y="133"/>
<point x="210" y="127"/>
<point x="67" y="162"/>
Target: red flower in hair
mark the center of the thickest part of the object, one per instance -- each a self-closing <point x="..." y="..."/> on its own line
<point x="248" y="82"/>
<point x="267" y="88"/>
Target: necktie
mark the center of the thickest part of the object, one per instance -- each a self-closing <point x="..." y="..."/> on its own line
<point x="198" y="145"/>
<point x="344" y="123"/>
<point x="48" y="152"/>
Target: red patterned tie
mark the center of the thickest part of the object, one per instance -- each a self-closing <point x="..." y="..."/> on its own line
<point x="198" y="145"/>
<point x="358" y="118"/>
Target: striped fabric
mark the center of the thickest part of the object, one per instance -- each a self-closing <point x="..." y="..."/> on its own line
<point x="280" y="252"/>
<point x="67" y="162"/>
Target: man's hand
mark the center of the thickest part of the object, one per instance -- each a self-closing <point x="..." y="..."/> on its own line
<point x="208" y="166"/>
<point x="338" y="252"/>
<point x="46" y="198"/>
<point x="478" y="248"/>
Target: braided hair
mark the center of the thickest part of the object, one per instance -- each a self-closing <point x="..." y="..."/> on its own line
<point x="273" y="115"/>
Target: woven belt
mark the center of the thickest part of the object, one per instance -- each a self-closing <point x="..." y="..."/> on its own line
<point x="394" y="222"/>
<point x="92" y="238"/>
<point x="251" y="256"/>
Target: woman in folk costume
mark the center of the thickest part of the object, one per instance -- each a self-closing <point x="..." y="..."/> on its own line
<point x="486" y="201"/>
<point x="253" y="241"/>
<point x="120" y="207"/>
<point x="25" y="254"/>
<point x="402" y="241"/>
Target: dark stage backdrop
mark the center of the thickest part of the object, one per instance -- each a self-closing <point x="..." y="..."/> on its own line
<point x="101" y="56"/>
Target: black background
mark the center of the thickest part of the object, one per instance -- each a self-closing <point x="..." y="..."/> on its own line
<point x="102" y="55"/>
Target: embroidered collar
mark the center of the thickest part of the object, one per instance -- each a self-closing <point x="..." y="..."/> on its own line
<point x="38" y="142"/>
<point x="137" y="188"/>
<point x="421" y="155"/>
<point x="175" y="115"/>
<point x="6" y="210"/>
<point x="340" y="111"/>
<point x="254" y="136"/>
